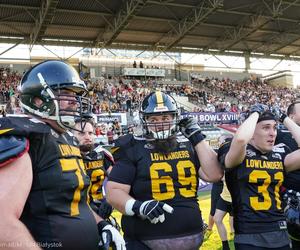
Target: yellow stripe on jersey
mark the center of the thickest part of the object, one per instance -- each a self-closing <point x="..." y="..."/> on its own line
<point x="159" y="99"/>
<point x="3" y="131"/>
<point x="114" y="149"/>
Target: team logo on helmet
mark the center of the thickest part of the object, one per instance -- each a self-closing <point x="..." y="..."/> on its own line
<point x="159" y="104"/>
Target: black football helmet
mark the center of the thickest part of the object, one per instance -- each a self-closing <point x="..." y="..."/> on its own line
<point x="46" y="81"/>
<point x="159" y="103"/>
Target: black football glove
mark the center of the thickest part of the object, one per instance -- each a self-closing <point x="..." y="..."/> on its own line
<point x="108" y="236"/>
<point x="292" y="210"/>
<point x="292" y="215"/>
<point x="259" y="108"/>
<point x="152" y="210"/>
<point x="104" y="209"/>
<point x="280" y="116"/>
<point x="190" y="128"/>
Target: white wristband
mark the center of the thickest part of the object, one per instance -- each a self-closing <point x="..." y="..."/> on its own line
<point x="129" y="206"/>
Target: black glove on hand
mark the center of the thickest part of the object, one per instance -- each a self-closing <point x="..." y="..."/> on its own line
<point x="104" y="209"/>
<point x="282" y="117"/>
<point x="190" y="129"/>
<point x="110" y="235"/>
<point x="259" y="108"/>
<point x="152" y="210"/>
<point x="292" y="215"/>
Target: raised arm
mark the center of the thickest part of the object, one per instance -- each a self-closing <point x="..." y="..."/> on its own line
<point x="207" y="156"/>
<point x="242" y="137"/>
<point x="292" y="127"/>
<point x="209" y="162"/>
<point x="292" y="160"/>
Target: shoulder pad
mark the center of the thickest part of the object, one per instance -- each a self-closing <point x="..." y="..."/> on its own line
<point x="122" y="144"/>
<point x="280" y="148"/>
<point x="11" y="148"/>
<point x="125" y="140"/>
<point x="69" y="137"/>
<point x="181" y="138"/>
<point x="106" y="153"/>
<point x="22" y="126"/>
<point x="285" y="131"/>
<point x="68" y="132"/>
<point x="224" y="147"/>
<point x="226" y="143"/>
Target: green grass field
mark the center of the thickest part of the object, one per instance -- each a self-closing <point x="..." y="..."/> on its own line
<point x="214" y="241"/>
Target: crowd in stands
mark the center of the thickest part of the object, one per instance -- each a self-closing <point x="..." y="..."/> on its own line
<point x="244" y="94"/>
<point x="9" y="81"/>
<point x="115" y="95"/>
<point x="120" y="94"/>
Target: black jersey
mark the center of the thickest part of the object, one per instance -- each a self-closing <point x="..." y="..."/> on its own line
<point x="254" y="186"/>
<point x="96" y="164"/>
<point x="292" y="179"/>
<point x="171" y="178"/>
<point x="56" y="210"/>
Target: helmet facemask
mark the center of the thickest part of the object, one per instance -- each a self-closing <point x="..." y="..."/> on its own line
<point x="160" y="130"/>
<point x="52" y="90"/>
<point x="50" y="107"/>
<point x="159" y="116"/>
<point x="80" y="112"/>
<point x="162" y="134"/>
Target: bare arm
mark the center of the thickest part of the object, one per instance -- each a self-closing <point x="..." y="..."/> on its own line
<point x="15" y="184"/>
<point x="293" y="128"/>
<point x="292" y="161"/>
<point x="117" y="195"/>
<point x="210" y="167"/>
<point x="203" y="176"/>
<point x="243" y="135"/>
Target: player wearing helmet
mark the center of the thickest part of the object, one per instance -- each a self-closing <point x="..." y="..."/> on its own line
<point x="155" y="178"/>
<point x="43" y="197"/>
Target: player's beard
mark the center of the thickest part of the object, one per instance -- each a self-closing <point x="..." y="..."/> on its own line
<point x="165" y="146"/>
<point x="86" y="148"/>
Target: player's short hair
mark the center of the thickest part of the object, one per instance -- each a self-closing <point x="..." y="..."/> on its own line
<point x="90" y="121"/>
<point x="291" y="108"/>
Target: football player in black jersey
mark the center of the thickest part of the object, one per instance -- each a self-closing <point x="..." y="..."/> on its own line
<point x="155" y="178"/>
<point x="43" y="183"/>
<point x="98" y="162"/>
<point x="254" y="175"/>
<point x="292" y="179"/>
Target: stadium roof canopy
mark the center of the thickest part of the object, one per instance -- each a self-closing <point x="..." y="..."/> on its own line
<point x="270" y="28"/>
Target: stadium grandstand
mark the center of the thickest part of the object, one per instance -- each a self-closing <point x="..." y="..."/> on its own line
<point x="217" y="58"/>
